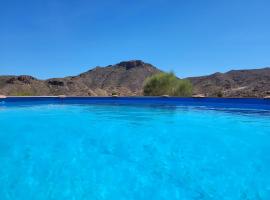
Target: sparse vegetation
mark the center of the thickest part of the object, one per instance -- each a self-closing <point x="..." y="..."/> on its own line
<point x="167" y="84"/>
<point x="219" y="94"/>
<point x="22" y="93"/>
<point x="114" y="93"/>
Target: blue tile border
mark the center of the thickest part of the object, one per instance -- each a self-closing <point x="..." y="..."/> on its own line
<point x="252" y="103"/>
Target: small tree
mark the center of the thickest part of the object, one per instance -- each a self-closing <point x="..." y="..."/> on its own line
<point x="167" y="84"/>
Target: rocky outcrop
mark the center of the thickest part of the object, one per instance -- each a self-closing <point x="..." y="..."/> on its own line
<point x="24" y="79"/>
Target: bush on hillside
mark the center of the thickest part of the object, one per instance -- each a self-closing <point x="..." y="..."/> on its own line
<point x="167" y="84"/>
<point x="219" y="94"/>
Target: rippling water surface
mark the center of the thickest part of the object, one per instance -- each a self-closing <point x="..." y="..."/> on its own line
<point x="137" y="152"/>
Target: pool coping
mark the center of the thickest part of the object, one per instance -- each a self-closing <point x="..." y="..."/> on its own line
<point x="164" y="96"/>
<point x="239" y="103"/>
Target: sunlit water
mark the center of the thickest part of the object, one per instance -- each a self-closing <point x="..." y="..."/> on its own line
<point x="137" y="152"/>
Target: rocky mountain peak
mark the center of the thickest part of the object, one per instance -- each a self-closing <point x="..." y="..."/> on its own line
<point x="131" y="64"/>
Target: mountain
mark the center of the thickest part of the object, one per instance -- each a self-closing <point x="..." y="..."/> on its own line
<point x="127" y="79"/>
<point x="124" y="78"/>
<point x="235" y="83"/>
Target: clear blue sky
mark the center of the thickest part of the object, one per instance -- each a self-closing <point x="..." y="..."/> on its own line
<point x="55" y="38"/>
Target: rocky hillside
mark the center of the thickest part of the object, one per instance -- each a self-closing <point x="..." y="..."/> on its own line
<point x="235" y="83"/>
<point x="125" y="78"/>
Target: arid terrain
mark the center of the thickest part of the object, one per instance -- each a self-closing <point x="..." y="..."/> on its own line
<point x="127" y="79"/>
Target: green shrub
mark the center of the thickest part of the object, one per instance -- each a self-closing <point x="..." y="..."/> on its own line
<point x="167" y="84"/>
<point x="219" y="94"/>
<point x="114" y="93"/>
<point x="184" y="88"/>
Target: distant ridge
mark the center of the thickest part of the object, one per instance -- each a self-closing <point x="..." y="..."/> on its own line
<point x="127" y="79"/>
<point x="235" y="83"/>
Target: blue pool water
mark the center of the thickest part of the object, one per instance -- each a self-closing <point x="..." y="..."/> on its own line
<point x="133" y="151"/>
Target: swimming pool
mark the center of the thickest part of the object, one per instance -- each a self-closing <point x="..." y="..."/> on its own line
<point x="134" y="148"/>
